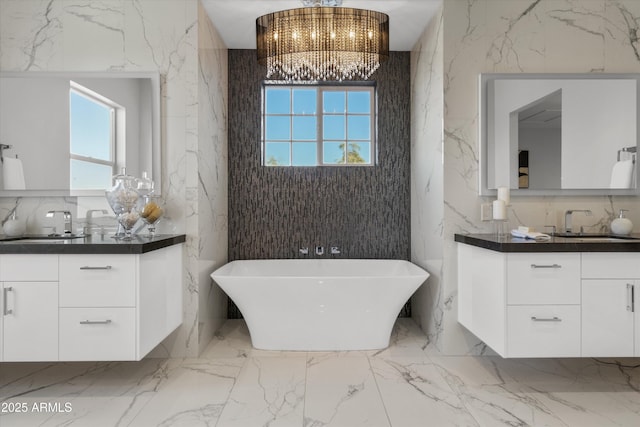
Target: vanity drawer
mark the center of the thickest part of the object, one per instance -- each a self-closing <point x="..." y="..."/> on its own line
<point x="29" y="268"/>
<point x="543" y="331"/>
<point x="97" y="334"/>
<point x="97" y="281"/>
<point x="543" y="278"/>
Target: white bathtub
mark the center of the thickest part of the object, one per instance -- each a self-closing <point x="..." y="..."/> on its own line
<point x="320" y="304"/>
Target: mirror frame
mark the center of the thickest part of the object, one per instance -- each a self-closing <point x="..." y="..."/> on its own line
<point x="485" y="102"/>
<point x="156" y="126"/>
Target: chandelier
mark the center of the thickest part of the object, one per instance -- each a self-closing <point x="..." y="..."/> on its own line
<point x="322" y="42"/>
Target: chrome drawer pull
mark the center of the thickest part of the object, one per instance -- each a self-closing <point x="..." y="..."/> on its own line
<point x="95" y="322"/>
<point x="546" y="319"/>
<point x="5" y="292"/>
<point x="546" y="266"/>
<point x="86" y="267"/>
<point x="631" y="298"/>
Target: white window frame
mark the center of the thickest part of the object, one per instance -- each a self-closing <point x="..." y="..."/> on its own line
<point x="115" y="112"/>
<point x="321" y="89"/>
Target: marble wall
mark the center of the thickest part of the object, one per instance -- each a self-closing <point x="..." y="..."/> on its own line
<point x="177" y="40"/>
<point x="427" y="209"/>
<point x="479" y="36"/>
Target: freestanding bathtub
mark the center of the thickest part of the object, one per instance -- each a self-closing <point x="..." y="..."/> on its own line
<point x="320" y="304"/>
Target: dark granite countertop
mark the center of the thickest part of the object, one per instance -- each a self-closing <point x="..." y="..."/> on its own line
<point x="88" y="245"/>
<point x="585" y="243"/>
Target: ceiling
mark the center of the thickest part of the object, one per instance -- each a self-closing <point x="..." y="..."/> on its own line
<point x="235" y="20"/>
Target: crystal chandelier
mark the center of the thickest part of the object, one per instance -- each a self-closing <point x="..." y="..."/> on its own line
<point x="322" y="42"/>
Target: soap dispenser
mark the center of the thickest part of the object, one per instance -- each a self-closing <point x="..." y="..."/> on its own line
<point x="12" y="226"/>
<point x="621" y="225"/>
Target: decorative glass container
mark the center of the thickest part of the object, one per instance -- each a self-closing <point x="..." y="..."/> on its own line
<point x="123" y="199"/>
<point x="151" y="212"/>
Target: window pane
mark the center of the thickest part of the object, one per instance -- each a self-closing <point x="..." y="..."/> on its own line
<point x="304" y="128"/>
<point x="305" y="154"/>
<point x="91" y="127"/>
<point x="278" y="101"/>
<point x="333" y="153"/>
<point x="334" y="102"/>
<point x="278" y="127"/>
<point x="90" y="176"/>
<point x="359" y="127"/>
<point x="334" y="127"/>
<point x="276" y="154"/>
<point x="304" y="101"/>
<point x="359" y="102"/>
<point x="359" y="152"/>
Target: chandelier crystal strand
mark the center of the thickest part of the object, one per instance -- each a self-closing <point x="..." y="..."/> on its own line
<point x="322" y="43"/>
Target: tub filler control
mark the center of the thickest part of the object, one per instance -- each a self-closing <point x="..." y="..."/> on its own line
<point x="335" y="250"/>
<point x="304" y="251"/>
<point x="319" y="250"/>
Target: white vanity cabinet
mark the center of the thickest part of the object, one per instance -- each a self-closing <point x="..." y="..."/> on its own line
<point x="97" y="307"/>
<point x="118" y="307"/>
<point x="521" y="304"/>
<point x="610" y="323"/>
<point x="30" y="307"/>
<point x="89" y="307"/>
<point x="551" y="304"/>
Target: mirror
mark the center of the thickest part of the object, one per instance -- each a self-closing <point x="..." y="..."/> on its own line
<point x="71" y="131"/>
<point x="559" y="134"/>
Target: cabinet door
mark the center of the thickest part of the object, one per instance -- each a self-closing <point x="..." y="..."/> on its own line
<point x="607" y="318"/>
<point x="30" y="321"/>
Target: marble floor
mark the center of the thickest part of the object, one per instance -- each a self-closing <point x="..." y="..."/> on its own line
<point x="406" y="385"/>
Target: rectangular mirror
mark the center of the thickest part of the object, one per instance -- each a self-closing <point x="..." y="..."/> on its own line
<point x="559" y="134"/>
<point x="67" y="133"/>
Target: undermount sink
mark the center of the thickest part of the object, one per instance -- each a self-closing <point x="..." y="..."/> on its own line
<point x="607" y="239"/>
<point x="42" y="238"/>
<point x="597" y="237"/>
<point x="23" y="241"/>
<point x="582" y="235"/>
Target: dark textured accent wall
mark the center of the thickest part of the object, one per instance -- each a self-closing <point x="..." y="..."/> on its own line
<point x="274" y="211"/>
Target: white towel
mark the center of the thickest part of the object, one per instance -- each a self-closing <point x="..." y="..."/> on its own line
<point x="13" y="174"/>
<point x="622" y="174"/>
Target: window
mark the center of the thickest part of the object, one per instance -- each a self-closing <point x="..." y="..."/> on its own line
<point x="306" y="125"/>
<point x="92" y="122"/>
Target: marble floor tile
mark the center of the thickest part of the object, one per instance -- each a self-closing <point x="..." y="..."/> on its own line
<point x="414" y="394"/>
<point x="471" y="370"/>
<point x="194" y="395"/>
<point x="269" y="391"/>
<point x="342" y="391"/>
<point x="593" y="409"/>
<point x="507" y="405"/>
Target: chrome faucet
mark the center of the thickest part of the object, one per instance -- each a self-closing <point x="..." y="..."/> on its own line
<point x="335" y="250"/>
<point x="319" y="250"/>
<point x="567" y="218"/>
<point x="66" y="215"/>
